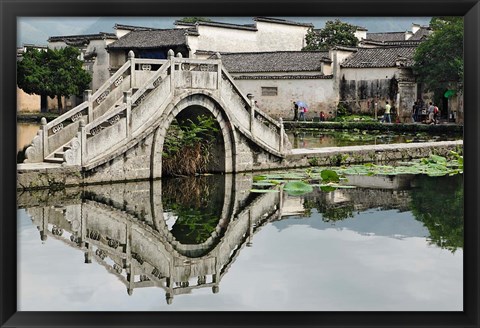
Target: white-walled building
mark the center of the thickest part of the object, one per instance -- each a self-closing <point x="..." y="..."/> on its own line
<point x="266" y="34"/>
<point x="277" y="79"/>
<point x="266" y="60"/>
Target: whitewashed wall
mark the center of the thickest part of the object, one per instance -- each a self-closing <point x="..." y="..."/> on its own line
<point x="268" y="37"/>
<point x="369" y="73"/>
<point x="317" y="93"/>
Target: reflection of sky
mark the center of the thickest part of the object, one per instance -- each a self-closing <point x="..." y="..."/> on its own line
<point x="292" y="267"/>
<point x="374" y="221"/>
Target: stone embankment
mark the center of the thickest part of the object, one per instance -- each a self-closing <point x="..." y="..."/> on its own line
<point x="57" y="176"/>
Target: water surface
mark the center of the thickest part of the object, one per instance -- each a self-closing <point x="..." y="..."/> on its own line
<point x="208" y="244"/>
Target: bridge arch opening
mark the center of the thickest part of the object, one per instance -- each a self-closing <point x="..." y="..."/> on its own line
<point x="193" y="144"/>
<point x="194" y="138"/>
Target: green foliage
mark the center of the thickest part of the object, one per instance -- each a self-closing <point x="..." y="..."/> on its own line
<point x="439" y="59"/>
<point x="355" y="118"/>
<point x="350" y="123"/>
<point x="438" y="204"/>
<point x="187" y="147"/>
<point x="335" y="33"/>
<point x="329" y="176"/>
<point x="329" y="179"/>
<point x="299" y="182"/>
<point x="433" y="165"/>
<point x="53" y="73"/>
<point x="196" y="211"/>
<point x="342" y="110"/>
<point x="193" y="20"/>
<point x="313" y="161"/>
<point x="297" y="188"/>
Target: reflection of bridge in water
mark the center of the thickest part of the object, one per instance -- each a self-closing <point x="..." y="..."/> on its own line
<point x="127" y="228"/>
<point x="123" y="227"/>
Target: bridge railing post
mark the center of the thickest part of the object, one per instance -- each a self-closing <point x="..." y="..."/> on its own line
<point x="171" y="57"/>
<point x="87" y="96"/>
<point x="252" y="111"/>
<point x="282" y="129"/>
<point x="131" y="58"/>
<point x="44" y="136"/>
<point x="127" y="99"/>
<point x="82" y="137"/>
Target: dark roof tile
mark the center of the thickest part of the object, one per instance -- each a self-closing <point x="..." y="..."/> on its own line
<point x="281" y="21"/>
<point x="98" y="36"/>
<point x="151" y="39"/>
<point x="279" y="61"/>
<point x="386" y="36"/>
<point x="421" y="34"/>
<point x="248" y="27"/>
<point x="379" y="57"/>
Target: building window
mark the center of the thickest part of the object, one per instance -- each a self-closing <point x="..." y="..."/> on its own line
<point x="269" y="91"/>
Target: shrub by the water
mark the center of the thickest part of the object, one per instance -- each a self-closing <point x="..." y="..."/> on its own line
<point x="187" y="149"/>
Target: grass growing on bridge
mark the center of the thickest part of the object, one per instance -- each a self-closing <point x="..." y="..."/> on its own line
<point x="187" y="149"/>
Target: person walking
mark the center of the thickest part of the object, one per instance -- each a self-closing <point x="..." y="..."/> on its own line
<point x="386" y="115"/>
<point x="302" y="113"/>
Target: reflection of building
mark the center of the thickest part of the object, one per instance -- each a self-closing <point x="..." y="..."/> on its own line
<point x="122" y="227"/>
<point x="383" y="192"/>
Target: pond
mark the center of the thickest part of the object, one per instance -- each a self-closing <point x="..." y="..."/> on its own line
<point x="210" y="244"/>
<point x="340" y="138"/>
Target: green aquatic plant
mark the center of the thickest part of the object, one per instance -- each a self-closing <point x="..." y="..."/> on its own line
<point x="297" y="188"/>
<point x="298" y="182"/>
<point x="295" y="182"/>
<point x="434" y="165"/>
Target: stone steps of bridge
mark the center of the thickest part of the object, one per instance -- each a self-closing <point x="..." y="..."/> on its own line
<point x="57" y="156"/>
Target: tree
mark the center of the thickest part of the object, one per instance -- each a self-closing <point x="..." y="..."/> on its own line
<point x="193" y="20"/>
<point x="439" y="59"/>
<point x="53" y="73"/>
<point x="335" y="33"/>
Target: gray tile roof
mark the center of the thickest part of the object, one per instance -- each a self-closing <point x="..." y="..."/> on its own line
<point x="98" y="36"/>
<point x="386" y="36"/>
<point x="134" y="28"/>
<point x="408" y="42"/>
<point x="151" y="39"/>
<point x="281" y="21"/>
<point x="421" y="34"/>
<point x="279" y="61"/>
<point x="380" y="57"/>
<point x="248" y="27"/>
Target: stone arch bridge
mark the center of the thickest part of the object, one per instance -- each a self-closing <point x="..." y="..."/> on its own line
<point x="118" y="132"/>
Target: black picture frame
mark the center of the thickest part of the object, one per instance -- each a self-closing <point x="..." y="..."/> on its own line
<point x="10" y="10"/>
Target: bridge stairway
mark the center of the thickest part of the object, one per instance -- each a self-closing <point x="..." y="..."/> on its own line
<point x="134" y="99"/>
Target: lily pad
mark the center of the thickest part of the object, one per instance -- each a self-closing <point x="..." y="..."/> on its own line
<point x="297" y="188"/>
<point x="329" y="176"/>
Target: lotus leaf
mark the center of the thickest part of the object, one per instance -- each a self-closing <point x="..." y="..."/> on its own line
<point x="297" y="188"/>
